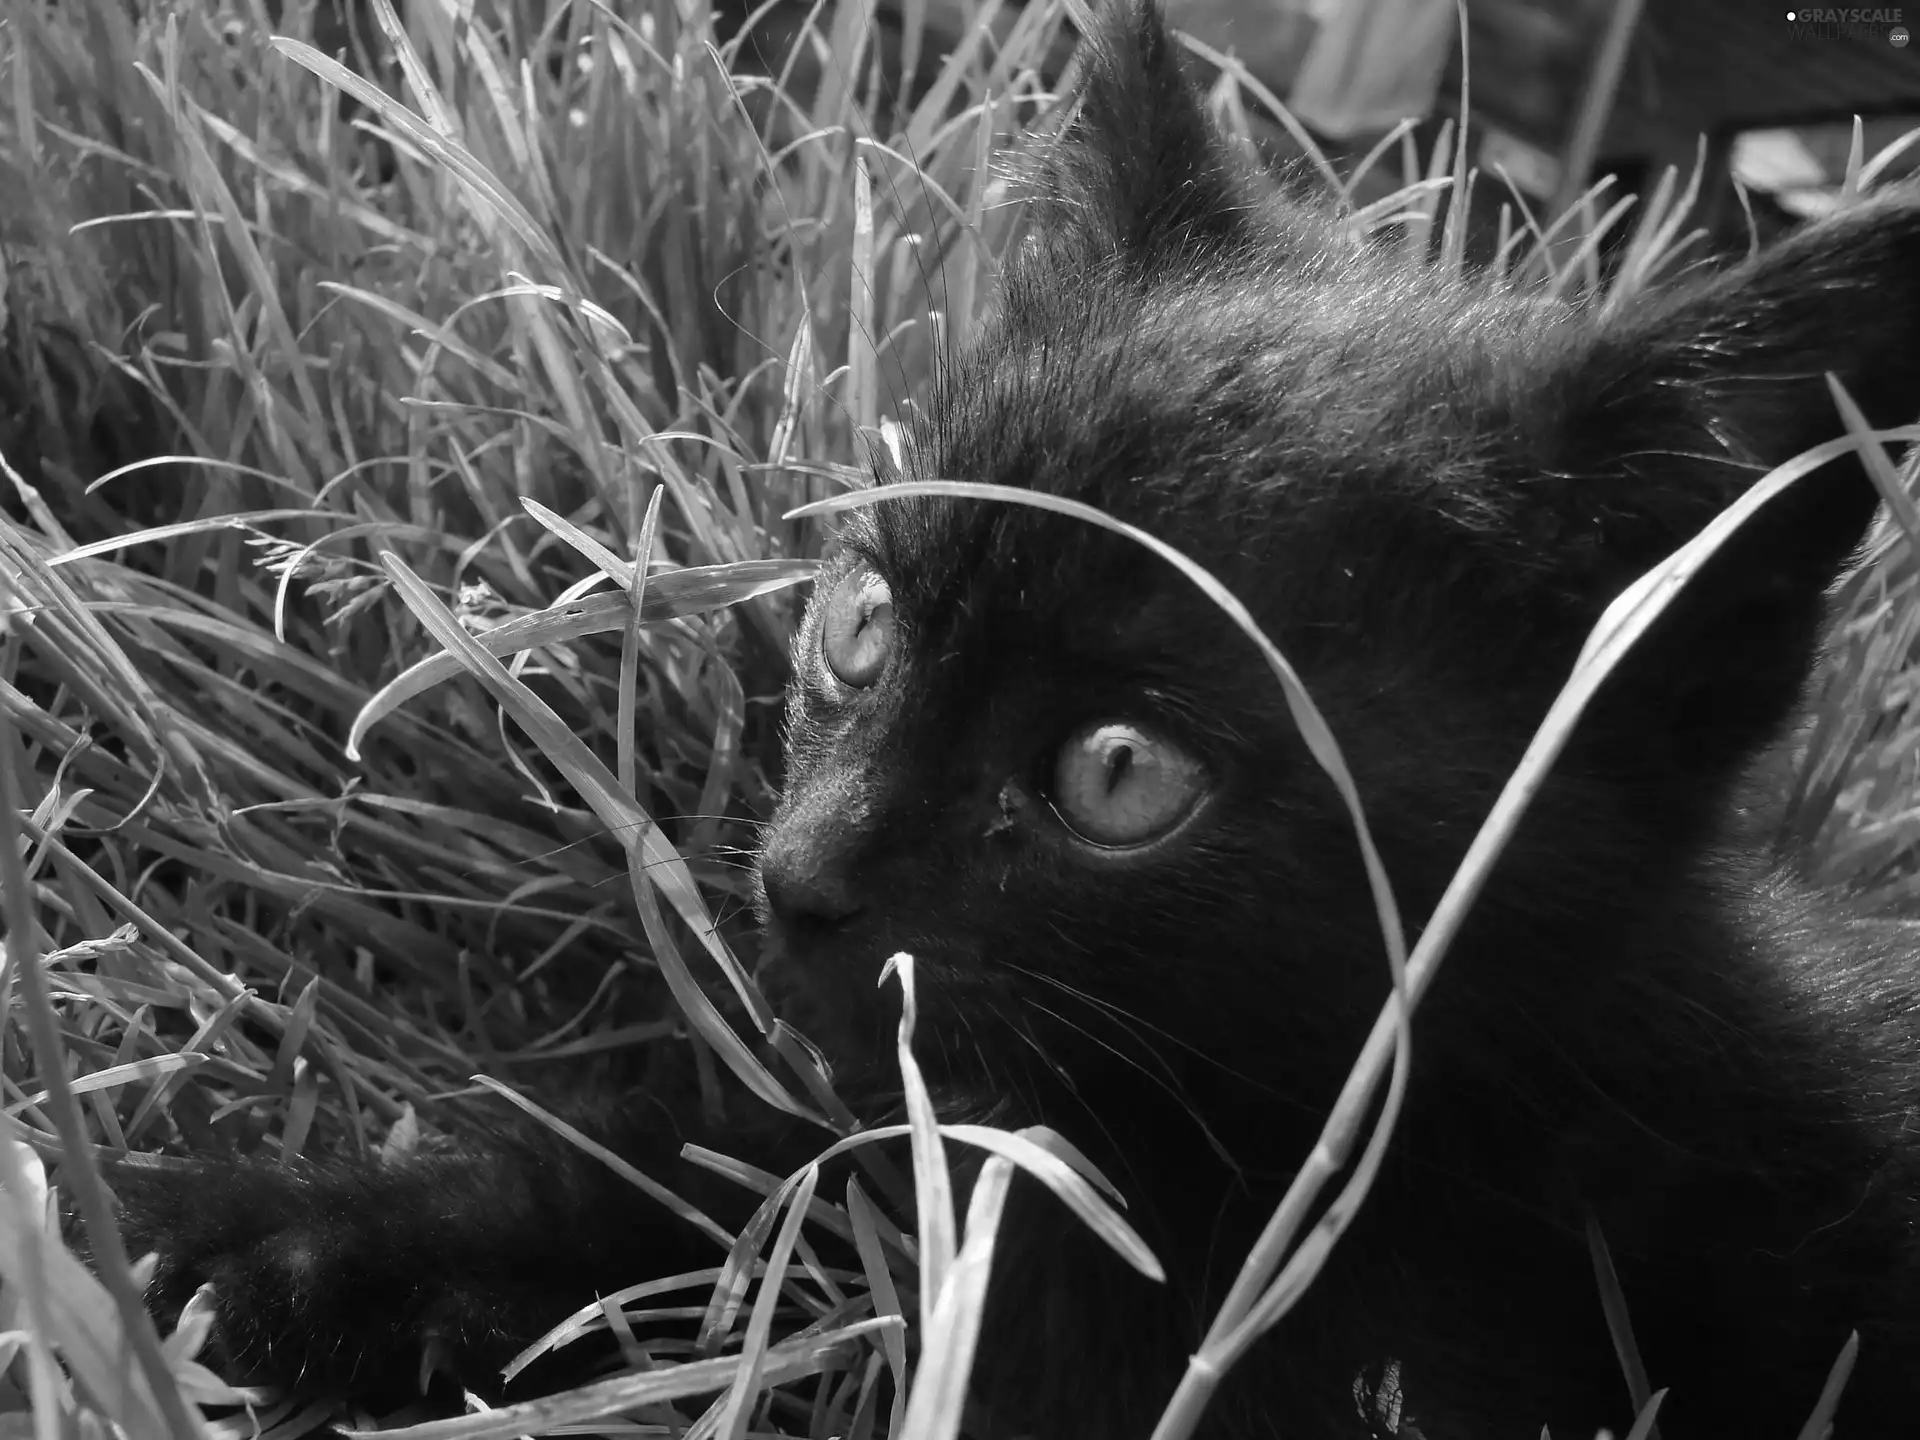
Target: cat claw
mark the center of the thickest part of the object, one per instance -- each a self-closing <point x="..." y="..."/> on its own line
<point x="434" y="1358"/>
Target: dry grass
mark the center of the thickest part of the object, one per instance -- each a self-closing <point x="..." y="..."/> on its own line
<point x="353" y="750"/>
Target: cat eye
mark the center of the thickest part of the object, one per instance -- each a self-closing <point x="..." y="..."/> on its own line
<point x="1118" y="785"/>
<point x="857" y="635"/>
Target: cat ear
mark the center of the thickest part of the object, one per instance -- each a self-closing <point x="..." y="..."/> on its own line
<point x="1142" y="174"/>
<point x="1674" y="405"/>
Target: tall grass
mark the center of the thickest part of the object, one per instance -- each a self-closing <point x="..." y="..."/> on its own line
<point x="399" y="569"/>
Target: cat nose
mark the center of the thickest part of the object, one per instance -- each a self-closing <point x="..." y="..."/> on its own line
<point x="803" y="887"/>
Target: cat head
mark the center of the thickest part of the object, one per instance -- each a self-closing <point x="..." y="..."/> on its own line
<point x="1034" y="755"/>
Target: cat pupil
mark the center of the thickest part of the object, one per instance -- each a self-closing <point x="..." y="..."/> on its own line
<point x="1117" y="785"/>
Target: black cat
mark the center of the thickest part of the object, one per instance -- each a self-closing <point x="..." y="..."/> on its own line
<point x="1036" y="757"/>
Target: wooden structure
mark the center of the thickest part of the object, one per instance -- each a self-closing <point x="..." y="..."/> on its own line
<point x="1574" y="88"/>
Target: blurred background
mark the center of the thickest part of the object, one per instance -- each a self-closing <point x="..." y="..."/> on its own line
<point x="1563" y="91"/>
<point x="1761" y="96"/>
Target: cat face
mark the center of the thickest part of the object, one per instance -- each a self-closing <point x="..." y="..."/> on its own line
<point x="1032" y="754"/>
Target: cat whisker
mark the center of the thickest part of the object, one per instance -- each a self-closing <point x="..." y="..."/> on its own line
<point x="1170" y="1085"/>
<point x="1065" y="1077"/>
<point x="1128" y="1020"/>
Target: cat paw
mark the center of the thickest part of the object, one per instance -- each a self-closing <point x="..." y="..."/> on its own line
<point x="298" y="1295"/>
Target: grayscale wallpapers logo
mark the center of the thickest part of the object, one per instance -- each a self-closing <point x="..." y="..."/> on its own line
<point x="1880" y="25"/>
